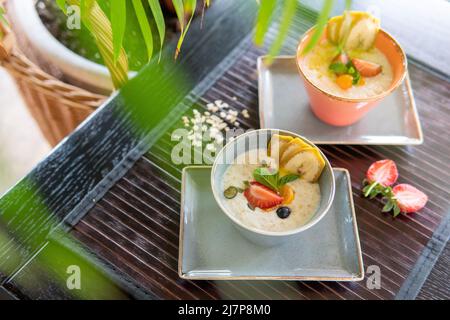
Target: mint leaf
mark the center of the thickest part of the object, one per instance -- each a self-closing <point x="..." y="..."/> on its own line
<point x="270" y="178"/>
<point x="286" y="179"/>
<point x="267" y="176"/>
<point x="353" y="72"/>
<point x="338" y="68"/>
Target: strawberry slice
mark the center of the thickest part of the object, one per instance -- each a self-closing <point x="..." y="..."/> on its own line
<point x="408" y="198"/>
<point x="366" y="68"/>
<point x="341" y="57"/>
<point x="381" y="174"/>
<point x="262" y="197"/>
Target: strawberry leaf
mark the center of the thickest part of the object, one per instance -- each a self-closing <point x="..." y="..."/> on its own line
<point x="396" y="211"/>
<point x="388" y="206"/>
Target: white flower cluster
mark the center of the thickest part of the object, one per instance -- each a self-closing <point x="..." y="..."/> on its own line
<point x="219" y="117"/>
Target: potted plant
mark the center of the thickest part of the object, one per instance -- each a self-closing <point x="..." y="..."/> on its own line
<point x="53" y="39"/>
<point x="61" y="70"/>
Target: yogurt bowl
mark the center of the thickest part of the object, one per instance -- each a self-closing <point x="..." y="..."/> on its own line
<point x="342" y="107"/>
<point x="233" y="182"/>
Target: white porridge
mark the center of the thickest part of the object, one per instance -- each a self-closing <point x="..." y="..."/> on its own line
<point x="315" y="66"/>
<point x="302" y="207"/>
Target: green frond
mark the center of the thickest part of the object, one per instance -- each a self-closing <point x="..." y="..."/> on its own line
<point x="190" y="6"/>
<point x="118" y="24"/>
<point x="155" y="7"/>
<point x="179" y="9"/>
<point x="263" y="20"/>
<point x="62" y="5"/>
<point x="320" y="25"/>
<point x="144" y="25"/>
<point x="287" y="16"/>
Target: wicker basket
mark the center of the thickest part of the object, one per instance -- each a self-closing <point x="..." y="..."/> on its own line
<point x="57" y="107"/>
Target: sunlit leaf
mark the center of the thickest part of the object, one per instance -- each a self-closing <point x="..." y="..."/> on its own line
<point x="179" y="9"/>
<point x="85" y="7"/>
<point x="348" y="4"/>
<point x="287" y="16"/>
<point x="320" y="26"/>
<point x="62" y="5"/>
<point x="190" y="6"/>
<point x="145" y="26"/>
<point x="2" y="17"/>
<point x="159" y="20"/>
<point x="264" y="19"/>
<point x="118" y="23"/>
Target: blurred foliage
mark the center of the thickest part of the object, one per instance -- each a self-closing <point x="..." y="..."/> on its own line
<point x="109" y="29"/>
<point x="3" y="21"/>
<point x="54" y="258"/>
<point x="109" y="32"/>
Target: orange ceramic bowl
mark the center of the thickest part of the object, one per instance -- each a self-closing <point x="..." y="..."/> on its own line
<point x="341" y="111"/>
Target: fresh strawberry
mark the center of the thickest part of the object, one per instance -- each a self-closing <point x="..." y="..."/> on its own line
<point x="407" y="199"/>
<point x="342" y="58"/>
<point x="262" y="197"/>
<point x="381" y="174"/>
<point x="366" y="68"/>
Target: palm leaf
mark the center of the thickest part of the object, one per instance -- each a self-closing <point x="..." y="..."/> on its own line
<point x="101" y="29"/>
<point x="159" y="20"/>
<point x="287" y="16"/>
<point x="320" y="26"/>
<point x="62" y="5"/>
<point x="191" y="5"/>
<point x="263" y="20"/>
<point x="348" y="4"/>
<point x="2" y="16"/>
<point x="85" y="7"/>
<point x="179" y="9"/>
<point x="145" y="26"/>
<point x="2" y="21"/>
<point x="118" y="23"/>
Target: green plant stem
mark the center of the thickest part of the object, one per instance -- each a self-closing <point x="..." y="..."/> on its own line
<point x="99" y="25"/>
<point x="368" y="191"/>
<point x="320" y="26"/>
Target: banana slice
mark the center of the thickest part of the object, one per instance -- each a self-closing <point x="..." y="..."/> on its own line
<point x="294" y="146"/>
<point x="308" y="163"/>
<point x="362" y="35"/>
<point x="276" y="146"/>
<point x="333" y="26"/>
<point x="355" y="30"/>
<point x="346" y="25"/>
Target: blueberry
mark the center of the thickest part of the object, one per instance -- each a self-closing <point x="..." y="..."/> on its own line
<point x="283" y="212"/>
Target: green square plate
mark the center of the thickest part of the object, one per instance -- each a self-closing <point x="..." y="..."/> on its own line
<point x="211" y="248"/>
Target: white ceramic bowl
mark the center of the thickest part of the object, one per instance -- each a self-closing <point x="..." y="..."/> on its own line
<point x="241" y="145"/>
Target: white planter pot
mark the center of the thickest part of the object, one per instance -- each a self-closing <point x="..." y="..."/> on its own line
<point x="75" y="69"/>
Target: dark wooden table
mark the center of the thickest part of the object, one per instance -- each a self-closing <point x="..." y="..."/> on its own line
<point x="108" y="198"/>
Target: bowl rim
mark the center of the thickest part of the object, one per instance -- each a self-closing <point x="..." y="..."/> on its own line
<point x="356" y="100"/>
<point x="304" y="227"/>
